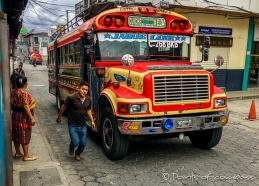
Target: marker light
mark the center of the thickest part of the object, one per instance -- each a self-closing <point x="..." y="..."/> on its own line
<point x="119" y="22"/>
<point x="183" y="25"/>
<point x="168" y="124"/>
<point x="108" y="21"/>
<point x="174" y="25"/>
<point x="116" y="84"/>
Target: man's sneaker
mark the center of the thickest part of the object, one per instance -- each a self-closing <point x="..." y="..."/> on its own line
<point x="71" y="151"/>
<point x="77" y="157"/>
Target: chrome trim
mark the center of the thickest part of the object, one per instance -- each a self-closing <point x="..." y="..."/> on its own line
<point x="180" y="88"/>
<point x="202" y="122"/>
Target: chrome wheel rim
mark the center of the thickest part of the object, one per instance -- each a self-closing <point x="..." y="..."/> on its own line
<point x="107" y="133"/>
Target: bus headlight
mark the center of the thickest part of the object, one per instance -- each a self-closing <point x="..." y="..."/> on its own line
<point x="220" y="102"/>
<point x="132" y="108"/>
<point x="138" y="108"/>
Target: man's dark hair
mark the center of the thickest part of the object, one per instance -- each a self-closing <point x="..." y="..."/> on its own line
<point x="20" y="81"/>
<point x="83" y="83"/>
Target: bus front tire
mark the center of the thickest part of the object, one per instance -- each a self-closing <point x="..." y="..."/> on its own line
<point x="115" y="144"/>
<point x="206" y="139"/>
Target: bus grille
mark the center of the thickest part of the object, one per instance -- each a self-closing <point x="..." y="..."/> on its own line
<point x="170" y="89"/>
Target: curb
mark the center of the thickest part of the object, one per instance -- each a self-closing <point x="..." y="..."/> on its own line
<point x="243" y="97"/>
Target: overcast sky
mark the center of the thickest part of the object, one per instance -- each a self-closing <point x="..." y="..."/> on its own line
<point x="40" y="15"/>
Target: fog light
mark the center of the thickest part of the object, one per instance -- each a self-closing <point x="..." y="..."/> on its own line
<point x="168" y="124"/>
<point x="224" y="120"/>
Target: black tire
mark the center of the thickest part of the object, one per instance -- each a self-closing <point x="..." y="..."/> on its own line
<point x="206" y="139"/>
<point x="115" y="144"/>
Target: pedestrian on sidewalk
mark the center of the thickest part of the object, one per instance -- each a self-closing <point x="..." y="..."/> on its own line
<point x="21" y="71"/>
<point x="14" y="77"/>
<point x="79" y="107"/>
<point x="22" y="118"/>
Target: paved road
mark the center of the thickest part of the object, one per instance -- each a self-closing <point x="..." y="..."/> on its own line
<point x="160" y="162"/>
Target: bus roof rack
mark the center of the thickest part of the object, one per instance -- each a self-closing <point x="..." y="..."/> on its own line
<point x="91" y="12"/>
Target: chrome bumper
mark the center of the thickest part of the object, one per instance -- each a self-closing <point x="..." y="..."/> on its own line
<point x="180" y="124"/>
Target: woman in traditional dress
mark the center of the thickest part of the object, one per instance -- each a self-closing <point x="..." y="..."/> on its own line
<point x="22" y="118"/>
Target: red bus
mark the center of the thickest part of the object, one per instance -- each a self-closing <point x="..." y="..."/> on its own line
<point x="143" y="85"/>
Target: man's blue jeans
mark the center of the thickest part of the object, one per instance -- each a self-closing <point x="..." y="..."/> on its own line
<point x="78" y="137"/>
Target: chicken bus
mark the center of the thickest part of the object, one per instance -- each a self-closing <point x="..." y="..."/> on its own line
<point x="136" y="59"/>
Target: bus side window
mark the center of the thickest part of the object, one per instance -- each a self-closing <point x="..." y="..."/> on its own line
<point x="59" y="56"/>
<point x="63" y="55"/>
<point x="66" y="55"/>
<point x="71" y="53"/>
<point x="77" y="52"/>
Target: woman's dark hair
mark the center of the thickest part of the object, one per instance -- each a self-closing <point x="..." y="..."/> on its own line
<point x="82" y="83"/>
<point x="20" y="81"/>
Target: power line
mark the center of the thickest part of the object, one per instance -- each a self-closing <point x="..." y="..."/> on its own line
<point x="37" y="14"/>
<point x="53" y="4"/>
<point x="54" y="8"/>
<point x="45" y="8"/>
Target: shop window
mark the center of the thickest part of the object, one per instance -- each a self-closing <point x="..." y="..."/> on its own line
<point x="253" y="78"/>
<point x="216" y="41"/>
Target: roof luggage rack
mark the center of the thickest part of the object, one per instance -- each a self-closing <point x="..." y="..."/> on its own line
<point x="91" y="12"/>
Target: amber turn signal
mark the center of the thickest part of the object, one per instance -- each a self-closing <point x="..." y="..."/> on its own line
<point x="116" y="84"/>
<point x="123" y="108"/>
<point x="119" y="22"/>
<point x="174" y="25"/>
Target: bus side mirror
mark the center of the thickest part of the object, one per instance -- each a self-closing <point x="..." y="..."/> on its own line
<point x="206" y="54"/>
<point x="207" y="42"/>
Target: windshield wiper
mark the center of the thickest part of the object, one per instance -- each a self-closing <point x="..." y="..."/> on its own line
<point x="159" y="59"/>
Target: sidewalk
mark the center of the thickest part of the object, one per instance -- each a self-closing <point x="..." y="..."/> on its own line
<point x="239" y="95"/>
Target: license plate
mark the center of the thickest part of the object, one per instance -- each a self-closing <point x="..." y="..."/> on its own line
<point x="184" y="123"/>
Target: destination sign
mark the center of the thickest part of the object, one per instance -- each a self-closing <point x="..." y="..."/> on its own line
<point x="146" y="22"/>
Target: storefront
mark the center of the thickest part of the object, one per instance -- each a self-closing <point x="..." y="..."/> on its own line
<point x="253" y="77"/>
<point x="228" y="39"/>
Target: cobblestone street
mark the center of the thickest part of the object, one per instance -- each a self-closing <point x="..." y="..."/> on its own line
<point x="233" y="162"/>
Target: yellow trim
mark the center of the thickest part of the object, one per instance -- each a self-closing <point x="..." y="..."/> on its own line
<point x="86" y="25"/>
<point x="184" y="102"/>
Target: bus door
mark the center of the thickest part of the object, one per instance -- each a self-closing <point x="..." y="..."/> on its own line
<point x="88" y="60"/>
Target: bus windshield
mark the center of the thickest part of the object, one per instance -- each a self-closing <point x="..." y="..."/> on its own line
<point x="112" y="46"/>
